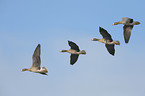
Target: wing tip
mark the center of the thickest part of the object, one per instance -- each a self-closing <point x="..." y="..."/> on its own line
<point x="100" y="28"/>
<point x="126" y="41"/>
<point x="38" y="45"/>
<point x="112" y="54"/>
<point x="72" y="63"/>
<point x="69" y="41"/>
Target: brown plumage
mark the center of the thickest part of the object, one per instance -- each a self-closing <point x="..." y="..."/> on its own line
<point x="107" y="39"/>
<point x="36" y="63"/>
<point x="127" y="28"/>
<point x="75" y="52"/>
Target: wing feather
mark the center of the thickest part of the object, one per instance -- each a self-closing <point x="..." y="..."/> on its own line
<point x="105" y="34"/>
<point x="36" y="58"/>
<point x="73" y="58"/>
<point x="127" y="32"/>
<point x="110" y="48"/>
<point x="73" y="46"/>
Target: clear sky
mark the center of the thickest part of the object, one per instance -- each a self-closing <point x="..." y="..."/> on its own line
<point x="26" y="23"/>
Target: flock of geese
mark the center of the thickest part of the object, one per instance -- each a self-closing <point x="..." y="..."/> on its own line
<point x="75" y="51"/>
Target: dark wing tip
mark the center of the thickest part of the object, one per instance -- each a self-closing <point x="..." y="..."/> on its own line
<point x="126" y="41"/>
<point x="112" y="54"/>
<point x="38" y="45"/>
<point x="100" y="28"/>
<point x="72" y="63"/>
<point x="110" y="49"/>
<point x="69" y="41"/>
<point x="37" y="50"/>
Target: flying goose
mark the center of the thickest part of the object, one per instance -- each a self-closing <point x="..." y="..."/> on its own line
<point x="128" y="25"/>
<point x="109" y="43"/>
<point x="36" y="63"/>
<point x="74" y="51"/>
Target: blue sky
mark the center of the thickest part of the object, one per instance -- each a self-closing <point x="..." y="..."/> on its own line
<point x="26" y="23"/>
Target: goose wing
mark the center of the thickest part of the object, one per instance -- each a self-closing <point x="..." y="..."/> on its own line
<point x="73" y="58"/>
<point x="105" y="34"/>
<point x="127" y="32"/>
<point x="73" y="46"/>
<point x="110" y="48"/>
<point x="36" y="58"/>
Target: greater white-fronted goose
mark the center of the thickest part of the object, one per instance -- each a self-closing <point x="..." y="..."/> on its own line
<point x="128" y="25"/>
<point x="107" y="39"/>
<point x="74" y="51"/>
<point x="36" y="63"/>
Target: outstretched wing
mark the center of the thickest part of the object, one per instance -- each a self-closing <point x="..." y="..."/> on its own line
<point x="73" y="58"/>
<point x="127" y="32"/>
<point x="36" y="58"/>
<point x="110" y="48"/>
<point x="105" y="34"/>
<point x="73" y="46"/>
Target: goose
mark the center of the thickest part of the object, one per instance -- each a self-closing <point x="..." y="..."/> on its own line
<point x="107" y="40"/>
<point x="74" y="51"/>
<point x="36" y="63"/>
<point x="127" y="28"/>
